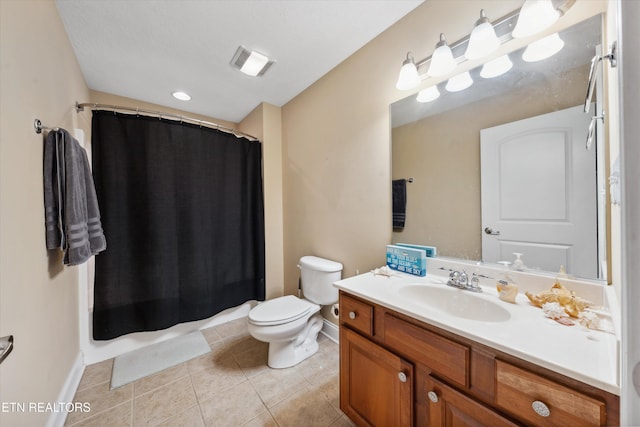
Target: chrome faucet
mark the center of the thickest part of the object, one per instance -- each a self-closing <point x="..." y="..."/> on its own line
<point x="461" y="280"/>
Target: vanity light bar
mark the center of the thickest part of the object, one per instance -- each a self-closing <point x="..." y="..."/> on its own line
<point x="503" y="27"/>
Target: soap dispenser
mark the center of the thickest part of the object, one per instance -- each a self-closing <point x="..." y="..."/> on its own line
<point x="518" y="264"/>
<point x="507" y="288"/>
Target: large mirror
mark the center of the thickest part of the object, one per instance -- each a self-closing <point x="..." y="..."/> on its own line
<point x="452" y="150"/>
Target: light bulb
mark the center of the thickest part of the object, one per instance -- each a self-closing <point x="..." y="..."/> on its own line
<point x="496" y="67"/>
<point x="459" y="82"/>
<point x="442" y="61"/>
<point x="543" y="48"/>
<point x="535" y="16"/>
<point x="483" y="39"/>
<point x="429" y="94"/>
<point x="408" y="78"/>
<point x="182" y="96"/>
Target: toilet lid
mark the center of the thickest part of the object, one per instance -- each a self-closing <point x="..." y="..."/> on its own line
<point x="279" y="310"/>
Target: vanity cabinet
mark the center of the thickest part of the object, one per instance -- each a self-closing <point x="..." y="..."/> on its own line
<point x="376" y="386"/>
<point x="398" y="371"/>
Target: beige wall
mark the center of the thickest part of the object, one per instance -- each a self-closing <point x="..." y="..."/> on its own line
<point x="442" y="154"/>
<point x="335" y="173"/>
<point x="336" y="138"/>
<point x="39" y="77"/>
<point x="336" y="143"/>
<point x="265" y="122"/>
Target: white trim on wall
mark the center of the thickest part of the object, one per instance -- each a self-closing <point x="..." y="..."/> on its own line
<point x="628" y="72"/>
<point x="330" y="330"/>
<point x="68" y="392"/>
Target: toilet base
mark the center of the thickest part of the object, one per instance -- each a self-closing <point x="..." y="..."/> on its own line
<point x="285" y="354"/>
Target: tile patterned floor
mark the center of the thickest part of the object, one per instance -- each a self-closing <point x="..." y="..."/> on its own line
<point x="231" y="386"/>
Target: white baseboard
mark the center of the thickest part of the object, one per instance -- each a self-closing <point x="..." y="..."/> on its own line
<point x="68" y="391"/>
<point x="330" y="330"/>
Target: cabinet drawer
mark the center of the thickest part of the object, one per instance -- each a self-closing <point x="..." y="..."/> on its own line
<point x="357" y="314"/>
<point x="444" y="357"/>
<point x="517" y="390"/>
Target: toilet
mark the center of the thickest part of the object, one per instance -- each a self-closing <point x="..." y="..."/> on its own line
<point x="290" y="324"/>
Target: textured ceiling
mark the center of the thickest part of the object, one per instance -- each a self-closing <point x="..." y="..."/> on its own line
<point x="148" y="49"/>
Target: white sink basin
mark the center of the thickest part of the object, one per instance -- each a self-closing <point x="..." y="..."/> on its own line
<point x="455" y="302"/>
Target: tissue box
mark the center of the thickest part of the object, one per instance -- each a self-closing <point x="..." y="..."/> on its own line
<point x="406" y="259"/>
<point x="430" y="250"/>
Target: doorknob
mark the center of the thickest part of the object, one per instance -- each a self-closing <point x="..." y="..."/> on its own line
<point x="489" y="230"/>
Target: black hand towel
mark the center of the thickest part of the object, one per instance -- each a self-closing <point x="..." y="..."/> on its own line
<point x="399" y="188"/>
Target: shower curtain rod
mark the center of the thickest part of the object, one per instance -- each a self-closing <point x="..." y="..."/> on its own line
<point x="81" y="106"/>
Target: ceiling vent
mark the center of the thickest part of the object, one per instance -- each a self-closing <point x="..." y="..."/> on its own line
<point x="251" y="62"/>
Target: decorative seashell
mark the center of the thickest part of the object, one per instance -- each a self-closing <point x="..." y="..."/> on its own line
<point x="572" y="304"/>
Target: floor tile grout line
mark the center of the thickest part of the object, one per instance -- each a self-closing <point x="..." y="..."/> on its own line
<point x="93" y="385"/>
<point x="198" y="400"/>
<point x="230" y="340"/>
<point x="273" y="417"/>
<point x="170" y="416"/>
<point x="131" y="397"/>
<point x="110" y="408"/>
<point x="156" y="388"/>
<point x="193" y="387"/>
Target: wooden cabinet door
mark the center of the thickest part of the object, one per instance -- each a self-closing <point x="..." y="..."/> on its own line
<point x="450" y="408"/>
<point x="376" y="386"/>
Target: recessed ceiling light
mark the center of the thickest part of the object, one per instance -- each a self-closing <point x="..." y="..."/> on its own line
<point x="250" y="62"/>
<point x="182" y="96"/>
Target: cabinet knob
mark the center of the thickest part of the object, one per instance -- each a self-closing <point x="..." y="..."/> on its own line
<point x="540" y="408"/>
<point x="352" y="315"/>
<point x="433" y="396"/>
<point x="402" y="376"/>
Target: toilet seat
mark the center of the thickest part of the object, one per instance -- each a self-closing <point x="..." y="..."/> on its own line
<point x="280" y="310"/>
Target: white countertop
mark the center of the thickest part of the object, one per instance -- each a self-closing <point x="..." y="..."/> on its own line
<point x="575" y="351"/>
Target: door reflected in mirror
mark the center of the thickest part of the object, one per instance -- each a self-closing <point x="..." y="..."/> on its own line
<point x="438" y="144"/>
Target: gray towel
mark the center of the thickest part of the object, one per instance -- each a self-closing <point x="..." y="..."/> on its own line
<point x="72" y="216"/>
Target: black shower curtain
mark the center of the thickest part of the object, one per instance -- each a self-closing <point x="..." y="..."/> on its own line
<point x="182" y="209"/>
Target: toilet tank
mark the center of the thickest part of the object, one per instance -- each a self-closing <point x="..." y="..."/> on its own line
<point x="317" y="276"/>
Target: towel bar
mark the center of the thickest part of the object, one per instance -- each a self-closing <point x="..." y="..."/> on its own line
<point x="39" y="127"/>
